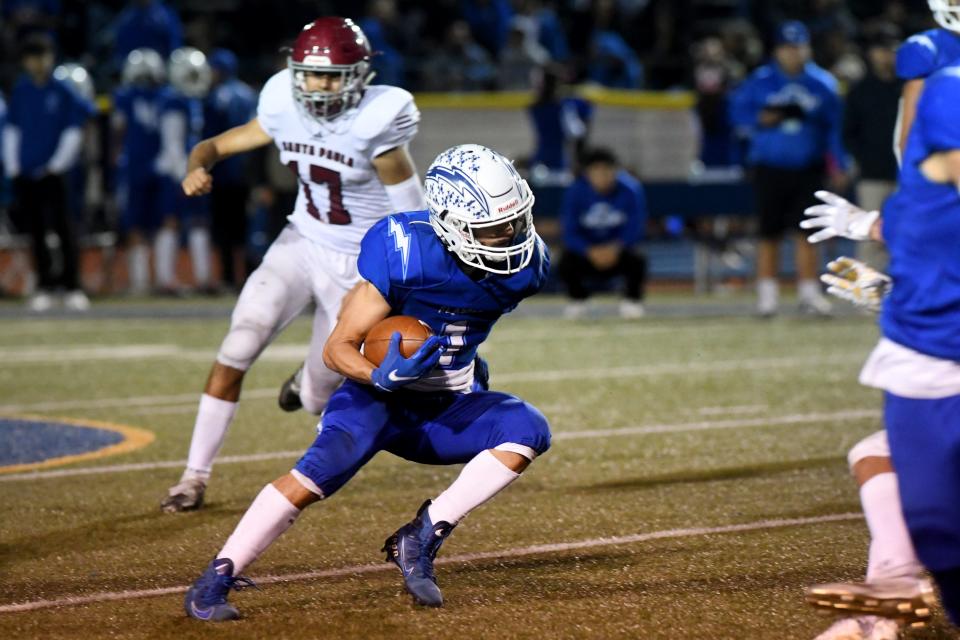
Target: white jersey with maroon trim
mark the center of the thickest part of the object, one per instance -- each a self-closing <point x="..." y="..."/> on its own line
<point x="340" y="194"/>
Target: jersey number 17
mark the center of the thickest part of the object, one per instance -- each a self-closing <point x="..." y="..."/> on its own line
<point x="321" y="175"/>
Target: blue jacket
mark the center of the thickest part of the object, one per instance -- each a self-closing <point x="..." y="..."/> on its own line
<point x="42" y="114"/>
<point x="811" y="129"/>
<point x="589" y="218"/>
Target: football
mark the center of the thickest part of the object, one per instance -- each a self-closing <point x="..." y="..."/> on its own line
<point x="377" y="342"/>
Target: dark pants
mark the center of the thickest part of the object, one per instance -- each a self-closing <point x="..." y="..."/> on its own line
<point x="229" y="208"/>
<point x="575" y="268"/>
<point x="782" y="196"/>
<point x="41" y="206"/>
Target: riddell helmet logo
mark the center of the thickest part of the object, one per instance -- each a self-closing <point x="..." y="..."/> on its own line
<point x="318" y="60"/>
<point x="507" y="207"/>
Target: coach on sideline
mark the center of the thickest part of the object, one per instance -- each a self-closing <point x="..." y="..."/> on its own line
<point x="790" y="113"/>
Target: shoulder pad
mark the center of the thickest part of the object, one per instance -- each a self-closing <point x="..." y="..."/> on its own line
<point x="917" y="56"/>
<point x="379" y="109"/>
<point x="276" y="93"/>
<point x="824" y="77"/>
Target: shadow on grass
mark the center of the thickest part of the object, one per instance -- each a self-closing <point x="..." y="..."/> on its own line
<point x="711" y="475"/>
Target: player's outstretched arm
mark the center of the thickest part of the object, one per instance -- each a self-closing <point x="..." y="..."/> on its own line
<point x="209" y="152"/>
<point x="398" y="174"/>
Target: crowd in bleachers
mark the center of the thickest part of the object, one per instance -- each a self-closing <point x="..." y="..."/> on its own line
<point x="707" y="46"/>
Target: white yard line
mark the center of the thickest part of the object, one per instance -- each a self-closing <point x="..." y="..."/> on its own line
<point x="517" y="552"/>
<point x="705" y="425"/>
<point x="732" y="409"/>
<point x="549" y="375"/>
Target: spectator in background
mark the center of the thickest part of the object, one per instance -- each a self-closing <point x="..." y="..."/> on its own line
<point x="181" y="128"/>
<point x="149" y="24"/>
<point x="561" y="123"/>
<point x="868" y="124"/>
<point x="520" y="56"/>
<point x="231" y="103"/>
<point x="613" y="63"/>
<point x="713" y="75"/>
<point x="378" y="24"/>
<point x="489" y="22"/>
<point x="790" y="112"/>
<point x="136" y="132"/>
<point x="604" y="214"/>
<point x="548" y="30"/>
<point x="42" y="141"/>
<point x="461" y="65"/>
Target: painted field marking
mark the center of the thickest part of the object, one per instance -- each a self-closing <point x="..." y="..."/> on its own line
<point x="704" y="425"/>
<point x="517" y="552"/>
<point x="133" y="438"/>
<point x="549" y="375"/>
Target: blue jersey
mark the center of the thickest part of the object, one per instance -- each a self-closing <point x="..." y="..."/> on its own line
<point x="556" y="123"/>
<point x="590" y="218"/>
<point x="140" y="107"/>
<point x="805" y="136"/>
<point x="925" y="53"/>
<point x="192" y="111"/>
<point x="405" y="260"/>
<point x="151" y="25"/>
<point x="230" y="104"/>
<point x="42" y="114"/>
<point x="921" y="226"/>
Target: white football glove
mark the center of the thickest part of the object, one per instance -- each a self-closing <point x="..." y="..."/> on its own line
<point x="837" y="217"/>
<point x="859" y="284"/>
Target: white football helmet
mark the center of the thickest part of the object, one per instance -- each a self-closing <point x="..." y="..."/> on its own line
<point x="470" y="187"/>
<point x="946" y="13"/>
<point x="190" y="73"/>
<point x="143" y="66"/>
<point x="77" y="77"/>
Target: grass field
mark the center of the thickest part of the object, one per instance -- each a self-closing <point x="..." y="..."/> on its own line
<point x="697" y="483"/>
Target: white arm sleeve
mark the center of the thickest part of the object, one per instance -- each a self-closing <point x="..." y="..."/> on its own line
<point x="172" y="160"/>
<point x="406" y="195"/>
<point x="11" y="151"/>
<point x="67" y="151"/>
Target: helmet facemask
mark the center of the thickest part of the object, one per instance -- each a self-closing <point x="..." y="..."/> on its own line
<point x="323" y="106"/>
<point x="946" y="13"/>
<point x="459" y="235"/>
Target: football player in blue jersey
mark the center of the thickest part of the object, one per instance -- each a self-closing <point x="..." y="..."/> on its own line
<point x="915" y="363"/>
<point x="230" y="103"/>
<point x="136" y="125"/>
<point x="920" y="56"/>
<point x="181" y="128"/>
<point x="458" y="267"/>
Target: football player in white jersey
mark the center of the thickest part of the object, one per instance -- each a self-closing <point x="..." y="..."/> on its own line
<point x="347" y="144"/>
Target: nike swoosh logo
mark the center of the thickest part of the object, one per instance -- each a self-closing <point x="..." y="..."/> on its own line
<point x="393" y="377"/>
<point x="203" y="614"/>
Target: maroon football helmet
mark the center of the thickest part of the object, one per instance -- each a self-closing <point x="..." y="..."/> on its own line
<point x="334" y="46"/>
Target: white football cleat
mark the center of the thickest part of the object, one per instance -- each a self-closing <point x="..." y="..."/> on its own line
<point x="907" y="600"/>
<point x="186" y="495"/>
<point x="631" y="310"/>
<point x="40" y="302"/>
<point x="575" y="310"/>
<point x="815" y="305"/>
<point x="861" y="628"/>
<point x="76" y="300"/>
